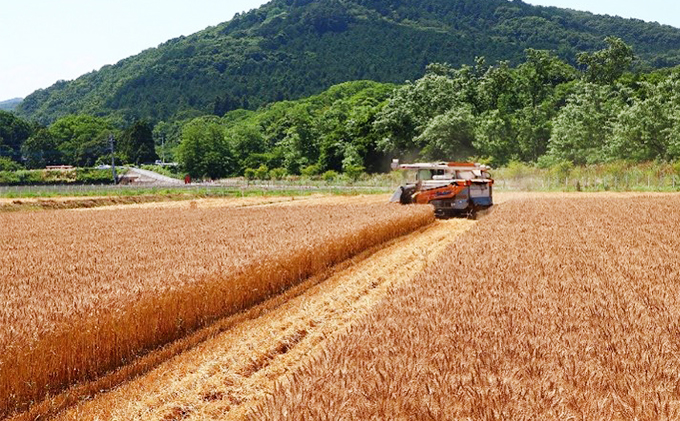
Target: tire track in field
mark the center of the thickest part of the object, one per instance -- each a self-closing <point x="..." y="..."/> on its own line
<point x="224" y="376"/>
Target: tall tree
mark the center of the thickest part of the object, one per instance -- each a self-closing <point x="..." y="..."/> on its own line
<point x="137" y="144"/>
<point x="41" y="149"/>
<point x="204" y="151"/>
<point x="449" y="136"/>
<point x="82" y="139"/>
<point x="606" y="66"/>
<point x="13" y="132"/>
<point x="584" y="126"/>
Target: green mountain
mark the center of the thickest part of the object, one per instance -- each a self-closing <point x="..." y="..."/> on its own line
<point x="290" y="49"/>
<point x="10" y="104"/>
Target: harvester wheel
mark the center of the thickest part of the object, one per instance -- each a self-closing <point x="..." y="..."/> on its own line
<point x="441" y="214"/>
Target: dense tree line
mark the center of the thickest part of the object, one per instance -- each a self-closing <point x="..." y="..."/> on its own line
<point x="546" y="111"/>
<point x="289" y="49"/>
<point x="542" y="111"/>
<point x="78" y="140"/>
<point x="332" y="131"/>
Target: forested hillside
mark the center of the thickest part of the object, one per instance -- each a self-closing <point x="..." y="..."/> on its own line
<point x="544" y="111"/>
<point x="290" y="49"/>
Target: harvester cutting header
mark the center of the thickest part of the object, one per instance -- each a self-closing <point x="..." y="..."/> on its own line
<point x="453" y="188"/>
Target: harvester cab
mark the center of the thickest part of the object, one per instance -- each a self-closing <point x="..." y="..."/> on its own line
<point x="453" y="188"/>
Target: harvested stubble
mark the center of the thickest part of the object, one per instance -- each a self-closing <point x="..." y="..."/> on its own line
<point x="546" y="309"/>
<point x="83" y="293"/>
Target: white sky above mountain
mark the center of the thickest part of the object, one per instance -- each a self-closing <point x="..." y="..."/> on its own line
<point x="43" y="41"/>
<point x="666" y="12"/>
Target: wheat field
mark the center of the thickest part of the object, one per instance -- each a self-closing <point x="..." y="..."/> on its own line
<point x="225" y="375"/>
<point x="85" y="292"/>
<point x="546" y="309"/>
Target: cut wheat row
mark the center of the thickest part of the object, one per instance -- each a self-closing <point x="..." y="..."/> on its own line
<point x="83" y="293"/>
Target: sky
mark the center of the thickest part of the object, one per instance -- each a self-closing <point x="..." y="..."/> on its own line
<point x="662" y="11"/>
<point x="43" y="41"/>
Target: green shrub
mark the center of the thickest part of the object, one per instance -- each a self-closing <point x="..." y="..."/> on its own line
<point x="561" y="169"/>
<point x="249" y="174"/>
<point x="93" y="176"/>
<point x="22" y="177"/>
<point x="517" y="170"/>
<point x="330" y="175"/>
<point x="9" y="178"/>
<point x="52" y="177"/>
<point x="27" y="177"/>
<point x="353" y="172"/>
<point x="7" y="164"/>
<point x="311" y="170"/>
<point x="262" y="173"/>
<point x="278" y="173"/>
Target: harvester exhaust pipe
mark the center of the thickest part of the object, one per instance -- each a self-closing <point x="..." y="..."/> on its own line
<point x="395" y="164"/>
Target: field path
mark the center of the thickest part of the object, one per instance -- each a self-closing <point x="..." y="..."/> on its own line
<point x="247" y="201"/>
<point x="176" y="201"/>
<point x="223" y="377"/>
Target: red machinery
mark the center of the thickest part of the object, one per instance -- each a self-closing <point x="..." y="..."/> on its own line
<point x="453" y="188"/>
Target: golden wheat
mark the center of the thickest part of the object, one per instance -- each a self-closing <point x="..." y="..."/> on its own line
<point x="546" y="309"/>
<point x="84" y="292"/>
<point x="228" y="373"/>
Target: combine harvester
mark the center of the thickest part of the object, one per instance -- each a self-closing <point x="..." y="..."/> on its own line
<point x="453" y="188"/>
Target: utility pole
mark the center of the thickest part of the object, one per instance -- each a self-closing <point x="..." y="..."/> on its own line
<point x="163" y="147"/>
<point x="112" y="143"/>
